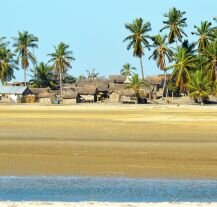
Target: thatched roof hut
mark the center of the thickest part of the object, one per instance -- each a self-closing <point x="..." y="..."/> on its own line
<point x="87" y="90"/>
<point x="116" y="87"/>
<point x="37" y="91"/>
<point x="70" y="95"/>
<point x="44" y="95"/>
<point x="128" y="92"/>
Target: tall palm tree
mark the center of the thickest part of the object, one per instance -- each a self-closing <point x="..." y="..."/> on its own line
<point x="210" y="56"/>
<point x="175" y="23"/>
<point x="7" y="63"/>
<point x="42" y="76"/>
<point x="160" y="54"/>
<point x="200" y="87"/>
<point x="204" y="33"/>
<point x="127" y="70"/>
<point x="138" y="39"/>
<point x="61" y="59"/>
<point x="24" y="45"/>
<point x="184" y="63"/>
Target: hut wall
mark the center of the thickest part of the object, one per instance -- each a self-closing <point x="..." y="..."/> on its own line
<point x="44" y="100"/>
<point x="70" y="101"/>
<point x="129" y="99"/>
<point x="114" y="97"/>
<point x="88" y="98"/>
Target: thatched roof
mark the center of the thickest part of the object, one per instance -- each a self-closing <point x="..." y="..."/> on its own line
<point x="155" y="80"/>
<point x="116" y="87"/>
<point x="70" y="95"/>
<point x="128" y="92"/>
<point x="44" y="95"/>
<point x="87" y="90"/>
<point x="117" y="78"/>
<point x="84" y="82"/>
<point x="36" y="91"/>
<point x="102" y="86"/>
<point x="69" y="85"/>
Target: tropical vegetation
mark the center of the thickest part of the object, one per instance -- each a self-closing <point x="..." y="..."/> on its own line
<point x="188" y="67"/>
<point x="61" y="59"/>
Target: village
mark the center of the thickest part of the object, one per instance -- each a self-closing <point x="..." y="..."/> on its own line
<point x="111" y="90"/>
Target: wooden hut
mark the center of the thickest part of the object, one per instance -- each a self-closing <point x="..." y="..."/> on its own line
<point x="44" y="98"/>
<point x="87" y="94"/>
<point x="42" y="95"/>
<point x="70" y="97"/>
<point x="128" y="96"/>
<point x="115" y="92"/>
<point x="14" y="94"/>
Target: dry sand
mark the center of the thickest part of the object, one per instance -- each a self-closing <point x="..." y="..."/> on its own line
<point x="94" y="204"/>
<point x="109" y="140"/>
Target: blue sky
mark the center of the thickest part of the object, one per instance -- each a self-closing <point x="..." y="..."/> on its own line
<point x="94" y="28"/>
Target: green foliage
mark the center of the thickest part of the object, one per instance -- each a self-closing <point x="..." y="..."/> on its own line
<point x="138" y="39"/>
<point x="7" y="62"/>
<point x="127" y="70"/>
<point x="23" y="44"/>
<point x="210" y="60"/>
<point x="200" y="87"/>
<point x="161" y="51"/>
<point x="61" y="59"/>
<point x="69" y="79"/>
<point x="175" y="24"/>
<point x="184" y="63"/>
<point x="136" y="84"/>
<point x="139" y="36"/>
<point x="42" y="77"/>
<point x="205" y="35"/>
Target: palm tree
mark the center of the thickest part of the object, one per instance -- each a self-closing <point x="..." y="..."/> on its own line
<point x="42" y="76"/>
<point x="190" y="47"/>
<point x="175" y="24"/>
<point x="61" y="59"/>
<point x="23" y="46"/>
<point x="204" y="33"/>
<point x="210" y="56"/>
<point x="160" y="54"/>
<point x="127" y="70"/>
<point x="184" y="63"/>
<point x="199" y="86"/>
<point x="7" y="63"/>
<point x="136" y="84"/>
<point x="138" y="39"/>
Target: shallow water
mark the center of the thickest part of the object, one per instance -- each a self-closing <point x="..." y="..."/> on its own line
<point x="69" y="189"/>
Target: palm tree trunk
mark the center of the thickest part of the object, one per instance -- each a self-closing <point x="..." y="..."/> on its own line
<point x="61" y="88"/>
<point x="143" y="77"/>
<point x="24" y="77"/>
<point x="165" y="82"/>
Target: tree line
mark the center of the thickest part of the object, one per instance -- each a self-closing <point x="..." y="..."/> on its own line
<point x="192" y="64"/>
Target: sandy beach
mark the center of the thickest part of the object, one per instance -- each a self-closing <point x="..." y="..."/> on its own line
<point x="148" y="141"/>
<point x="94" y="204"/>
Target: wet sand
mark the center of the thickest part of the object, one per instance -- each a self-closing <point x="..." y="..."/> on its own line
<point x="109" y="140"/>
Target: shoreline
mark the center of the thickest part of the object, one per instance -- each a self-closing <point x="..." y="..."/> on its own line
<point x="105" y="204"/>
